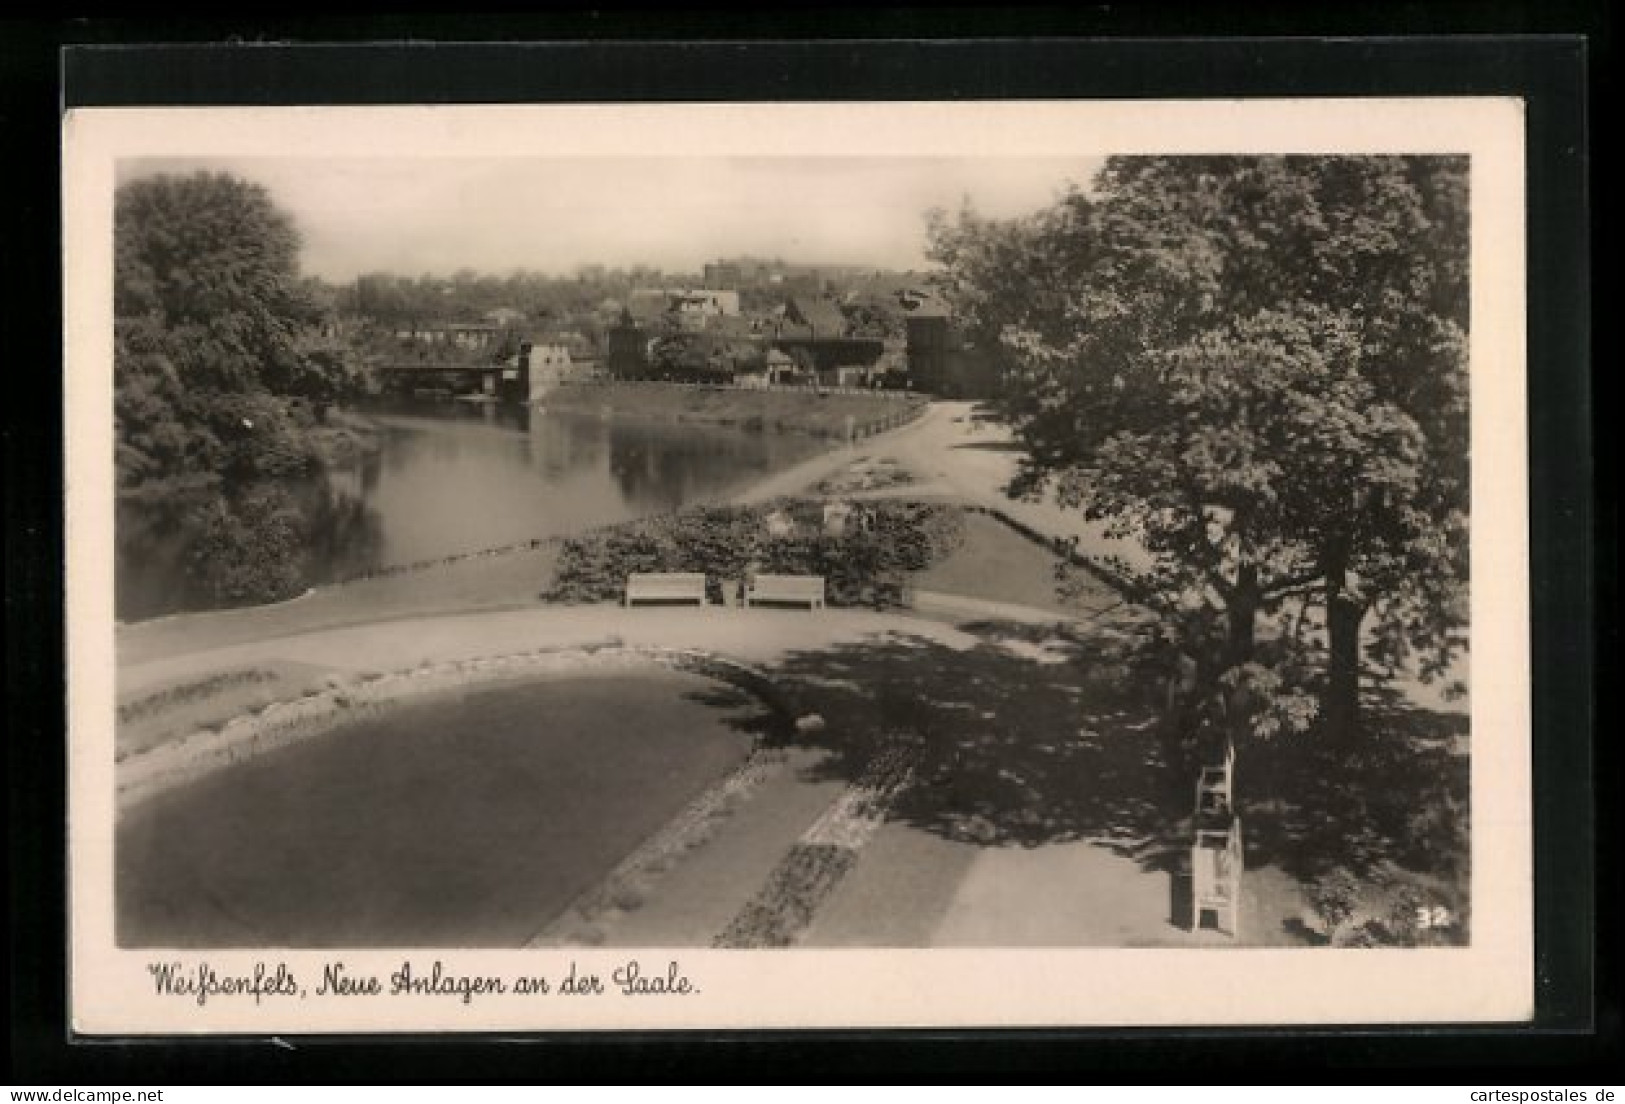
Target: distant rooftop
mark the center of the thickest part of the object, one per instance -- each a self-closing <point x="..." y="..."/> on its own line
<point x="919" y="303"/>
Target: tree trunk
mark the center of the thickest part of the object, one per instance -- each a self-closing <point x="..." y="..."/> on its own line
<point x="1243" y="604"/>
<point x="1340" y="705"/>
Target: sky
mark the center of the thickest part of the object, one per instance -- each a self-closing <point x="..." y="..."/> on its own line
<point x="411" y="216"/>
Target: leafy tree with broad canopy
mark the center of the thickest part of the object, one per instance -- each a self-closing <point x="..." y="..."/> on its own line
<point x="1256" y="368"/>
<point x="222" y="368"/>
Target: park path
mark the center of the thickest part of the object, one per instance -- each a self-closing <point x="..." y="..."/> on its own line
<point x="751" y="636"/>
<point x="954" y="455"/>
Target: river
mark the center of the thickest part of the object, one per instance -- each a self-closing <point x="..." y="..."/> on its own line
<point x="449" y="478"/>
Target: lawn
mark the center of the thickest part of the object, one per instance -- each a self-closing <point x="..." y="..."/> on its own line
<point x="470" y="820"/>
<point x="477" y="582"/>
<point x="998" y="564"/>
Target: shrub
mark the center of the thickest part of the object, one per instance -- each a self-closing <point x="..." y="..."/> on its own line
<point x="250" y="551"/>
<point x="263" y="436"/>
<point x="1334" y="896"/>
<point x="868" y="564"/>
<point x="1393" y="908"/>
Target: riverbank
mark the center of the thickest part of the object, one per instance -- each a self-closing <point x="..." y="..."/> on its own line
<point x="995" y="562"/>
<point x="344" y="437"/>
<point x="819" y="413"/>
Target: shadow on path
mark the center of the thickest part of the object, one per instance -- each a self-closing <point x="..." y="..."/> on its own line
<point x="1034" y="737"/>
<point x="1018" y="742"/>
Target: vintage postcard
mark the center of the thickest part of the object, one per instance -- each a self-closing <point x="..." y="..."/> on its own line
<point x="970" y="564"/>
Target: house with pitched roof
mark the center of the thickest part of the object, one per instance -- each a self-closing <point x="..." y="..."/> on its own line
<point x="814" y="317"/>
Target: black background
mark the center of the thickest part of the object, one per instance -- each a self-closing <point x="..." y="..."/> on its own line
<point x="977" y="53"/>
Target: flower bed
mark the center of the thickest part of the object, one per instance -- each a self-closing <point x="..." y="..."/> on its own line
<point x="864" y="475"/>
<point x="784" y="907"/>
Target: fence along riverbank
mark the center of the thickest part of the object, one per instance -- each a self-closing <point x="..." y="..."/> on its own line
<point x="837" y="413"/>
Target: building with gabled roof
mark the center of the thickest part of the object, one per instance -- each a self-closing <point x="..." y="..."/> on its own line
<point x="814" y="317"/>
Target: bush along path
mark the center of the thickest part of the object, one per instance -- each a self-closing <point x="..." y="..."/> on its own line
<point x="866" y="559"/>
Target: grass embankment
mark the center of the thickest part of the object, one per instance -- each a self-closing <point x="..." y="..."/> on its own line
<point x="458" y="586"/>
<point x="156" y="715"/>
<point x="819" y="413"/>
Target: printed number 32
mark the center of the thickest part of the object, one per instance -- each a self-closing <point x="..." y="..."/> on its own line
<point x="1434" y="916"/>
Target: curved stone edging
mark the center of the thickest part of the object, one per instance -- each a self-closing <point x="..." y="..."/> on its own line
<point x="281" y="724"/>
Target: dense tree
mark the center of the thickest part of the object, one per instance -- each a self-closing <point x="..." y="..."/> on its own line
<point x="225" y="363"/>
<point x="1256" y="368"/>
<point x="874" y="316"/>
<point x="208" y="303"/>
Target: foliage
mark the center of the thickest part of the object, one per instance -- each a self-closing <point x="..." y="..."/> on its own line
<point x="867" y="564"/>
<point x="251" y="550"/>
<point x="225" y="365"/>
<point x="1396" y="909"/>
<point x="702" y="356"/>
<point x="1255" y="368"/>
<point x="213" y="327"/>
<point x="875" y="316"/>
<point x="1334" y="896"/>
<point x="466" y="295"/>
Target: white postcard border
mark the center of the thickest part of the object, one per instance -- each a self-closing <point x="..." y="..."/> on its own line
<point x="1490" y="980"/>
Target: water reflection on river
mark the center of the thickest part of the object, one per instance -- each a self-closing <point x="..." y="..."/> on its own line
<point x="451" y="478"/>
<point x="446" y="482"/>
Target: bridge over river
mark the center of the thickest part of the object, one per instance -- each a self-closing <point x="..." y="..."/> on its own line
<point x="434" y="377"/>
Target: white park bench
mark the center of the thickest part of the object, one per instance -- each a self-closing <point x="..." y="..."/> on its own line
<point x="1217" y="859"/>
<point x="1216" y="784"/>
<point x="808" y="589"/>
<point x="671" y="586"/>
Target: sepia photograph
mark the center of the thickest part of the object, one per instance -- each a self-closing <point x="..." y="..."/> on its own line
<point x="797" y="564"/>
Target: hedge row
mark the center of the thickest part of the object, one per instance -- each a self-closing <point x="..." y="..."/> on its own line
<point x="866" y="564"/>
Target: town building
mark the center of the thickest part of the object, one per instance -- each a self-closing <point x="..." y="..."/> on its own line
<point x="469" y="336"/>
<point x="689" y="308"/>
<point x="814" y="317"/>
<point x="926" y="327"/>
<point x="939" y="361"/>
<point x="709" y="301"/>
<point x="627" y="348"/>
